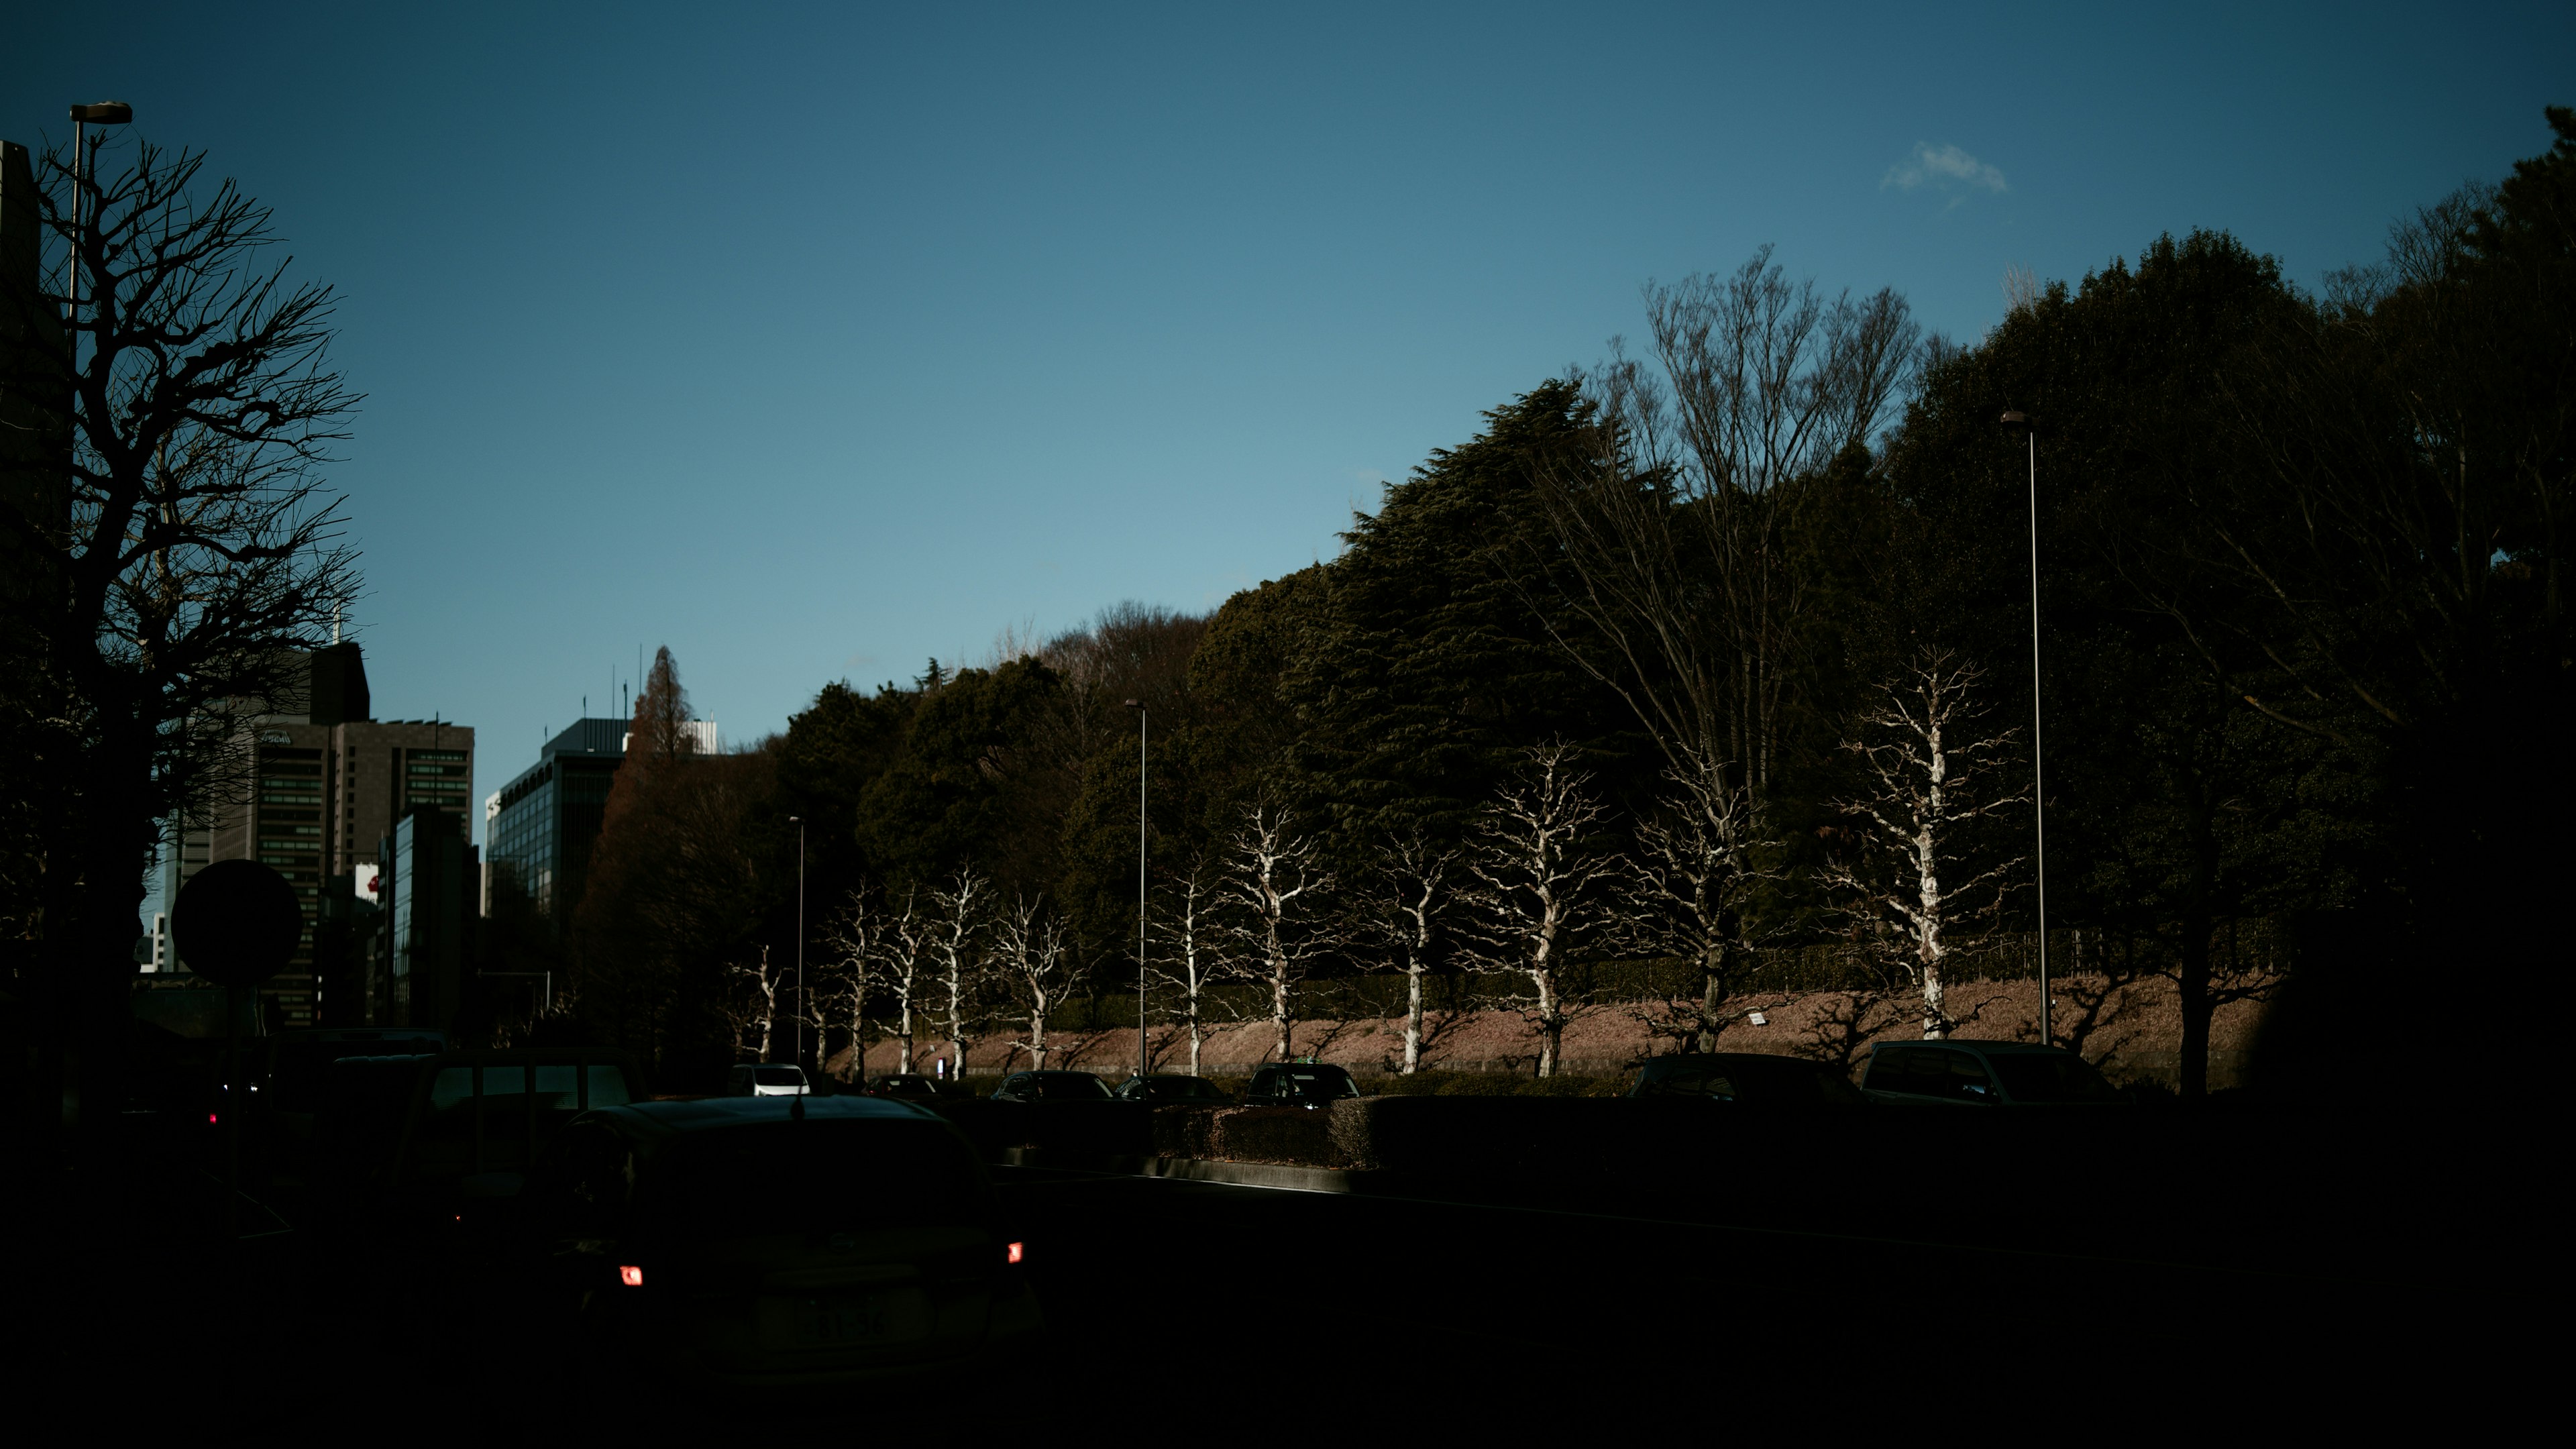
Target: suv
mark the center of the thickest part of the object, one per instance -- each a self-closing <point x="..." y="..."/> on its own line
<point x="767" y="1079"/>
<point x="1051" y="1087"/>
<point x="1991" y="1073"/>
<point x="1299" y="1084"/>
<point x="1751" y="1078"/>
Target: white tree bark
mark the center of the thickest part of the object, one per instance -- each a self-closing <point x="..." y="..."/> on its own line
<point x="1926" y="785"/>
<point x="1407" y="907"/>
<point x="1029" y="943"/>
<point x="1273" y="889"/>
<point x="1193" y="943"/>
<point x="760" y="1019"/>
<point x="1538" y="891"/>
<point x="855" y="941"/>
<point x="1693" y="871"/>
<point x="957" y="951"/>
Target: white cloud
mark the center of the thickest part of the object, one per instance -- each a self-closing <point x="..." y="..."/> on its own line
<point x="1944" y="168"/>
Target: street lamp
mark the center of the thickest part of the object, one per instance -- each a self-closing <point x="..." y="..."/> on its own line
<point x="799" y="822"/>
<point x="105" y="113"/>
<point x="2020" y="422"/>
<point x="1138" y="705"/>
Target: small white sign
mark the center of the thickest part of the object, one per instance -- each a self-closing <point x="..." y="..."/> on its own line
<point x="365" y="877"/>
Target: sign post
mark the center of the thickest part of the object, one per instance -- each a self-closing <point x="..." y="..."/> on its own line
<point x="237" y="924"/>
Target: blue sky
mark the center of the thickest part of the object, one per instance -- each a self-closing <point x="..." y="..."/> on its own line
<point x="816" y="341"/>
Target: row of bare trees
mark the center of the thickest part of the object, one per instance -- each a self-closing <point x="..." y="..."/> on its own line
<point x="1546" y="880"/>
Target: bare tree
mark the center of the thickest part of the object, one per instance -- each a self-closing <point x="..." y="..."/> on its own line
<point x="1540" y="888"/>
<point x="1407" y="908"/>
<point x="753" y="1015"/>
<point x="1194" y="943"/>
<point x="1028" y="945"/>
<point x="1688" y="888"/>
<point x="902" y="944"/>
<point x="1671" y="527"/>
<point x="1272" y="889"/>
<point x="851" y="939"/>
<point x="174" y="511"/>
<point x="956" y="942"/>
<point x="1928" y="775"/>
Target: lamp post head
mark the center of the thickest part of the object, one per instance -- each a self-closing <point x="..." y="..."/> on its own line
<point x="105" y="113"/>
<point x="1135" y="704"/>
<point x="2018" y="421"/>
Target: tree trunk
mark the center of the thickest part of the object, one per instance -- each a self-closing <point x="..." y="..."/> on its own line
<point x="1551" y="1025"/>
<point x="1936" y="1021"/>
<point x="1037" y="1029"/>
<point x="903" y="1043"/>
<point x="1412" y="1017"/>
<point x="2192" y="995"/>
<point x="1712" y="979"/>
<point x="1279" y="1005"/>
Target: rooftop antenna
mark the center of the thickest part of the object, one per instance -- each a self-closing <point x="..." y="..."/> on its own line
<point x="335" y="623"/>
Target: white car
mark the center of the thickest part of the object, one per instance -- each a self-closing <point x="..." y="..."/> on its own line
<point x="768" y="1079"/>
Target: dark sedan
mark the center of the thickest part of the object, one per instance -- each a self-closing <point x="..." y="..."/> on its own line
<point x="1051" y="1087"/>
<point x="913" y="1087"/>
<point x="1752" y="1079"/>
<point x="1300" y="1084"/>
<point x="1173" y="1092"/>
<point x="759" y="1242"/>
<point x="1984" y="1073"/>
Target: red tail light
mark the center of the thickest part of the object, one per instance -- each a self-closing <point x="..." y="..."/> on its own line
<point x="1016" y="1252"/>
<point x="210" y="1119"/>
<point x="631" y="1276"/>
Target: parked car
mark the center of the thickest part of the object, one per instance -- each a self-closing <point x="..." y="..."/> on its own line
<point x="913" y="1086"/>
<point x="1299" y="1084"/>
<point x="473" y="1116"/>
<point x="293" y="1080"/>
<point x="748" y="1243"/>
<point x="1753" y="1079"/>
<point x="1173" y="1091"/>
<point x="1983" y="1073"/>
<point x="767" y="1079"/>
<point x="1051" y="1087"/>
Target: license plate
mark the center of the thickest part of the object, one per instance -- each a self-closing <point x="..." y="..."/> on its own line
<point x="846" y="1318"/>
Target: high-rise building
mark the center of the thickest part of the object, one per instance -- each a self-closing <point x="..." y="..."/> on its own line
<point x="417" y="977"/>
<point x="539" y="829"/>
<point x="326" y="788"/>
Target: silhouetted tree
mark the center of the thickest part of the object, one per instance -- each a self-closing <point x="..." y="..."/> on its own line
<point x="175" y="512"/>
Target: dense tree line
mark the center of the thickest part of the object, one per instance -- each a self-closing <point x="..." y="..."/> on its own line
<point x="1727" y="644"/>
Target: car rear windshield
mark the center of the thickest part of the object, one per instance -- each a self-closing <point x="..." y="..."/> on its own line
<point x="2052" y="1078"/>
<point x="1692" y="1081"/>
<point x="778" y="1076"/>
<point x="1331" y="1083"/>
<point x="558" y="1087"/>
<point x="302" y="1066"/>
<point x="1062" y="1087"/>
<point x="815" y="1177"/>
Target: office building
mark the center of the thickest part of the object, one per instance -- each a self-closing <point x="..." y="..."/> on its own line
<point x="538" y="830"/>
<point x="417" y="971"/>
<point x="326" y="789"/>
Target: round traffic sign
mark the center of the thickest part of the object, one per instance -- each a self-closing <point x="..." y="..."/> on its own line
<point x="237" y="923"/>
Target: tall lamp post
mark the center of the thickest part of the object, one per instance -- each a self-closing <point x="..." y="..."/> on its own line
<point x="105" y="113"/>
<point x="799" y="822"/>
<point x="2020" y="422"/>
<point x="1138" y="705"/>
